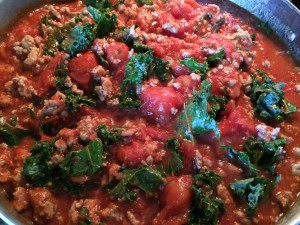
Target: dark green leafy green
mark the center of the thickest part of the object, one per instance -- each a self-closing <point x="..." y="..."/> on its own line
<point x="87" y="161"/>
<point x="126" y="35"/>
<point x="105" y="21"/>
<point x="136" y="70"/>
<point x="196" y="67"/>
<point x="175" y="164"/>
<point x="144" y="2"/>
<point x="195" y="119"/>
<point x="37" y="168"/>
<point x="99" y="4"/>
<point x="128" y="99"/>
<point x="144" y="178"/>
<point x="264" y="154"/>
<point x="78" y="39"/>
<point x="217" y="104"/>
<point x="206" y="208"/>
<point x="54" y="42"/>
<point x="140" y="67"/>
<point x="12" y="135"/>
<point x="108" y="137"/>
<point x="241" y="158"/>
<point x="160" y="69"/>
<point x="74" y="102"/>
<point x="268" y="99"/>
<point x="40" y="171"/>
<point x="215" y="58"/>
<point x="251" y="190"/>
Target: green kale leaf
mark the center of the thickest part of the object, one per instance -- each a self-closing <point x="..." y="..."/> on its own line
<point x="251" y="190"/>
<point x="144" y="178"/>
<point x="37" y="168"/>
<point x="215" y="58"/>
<point x="74" y="102"/>
<point x="78" y="39"/>
<point x="108" y="137"/>
<point x="86" y="161"/>
<point x="99" y="4"/>
<point x="125" y="34"/>
<point x="105" y="20"/>
<point x="136" y="70"/>
<point x="195" y="119"/>
<point x="217" y="104"/>
<point x="264" y="154"/>
<point x="12" y="135"/>
<point x="268" y="99"/>
<point x="144" y="2"/>
<point x="175" y="164"/>
<point x="206" y="208"/>
<point x="196" y="67"/>
<point x="160" y="69"/>
<point x="241" y="158"/>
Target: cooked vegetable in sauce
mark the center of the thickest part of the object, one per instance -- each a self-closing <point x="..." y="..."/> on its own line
<point x="147" y="112"/>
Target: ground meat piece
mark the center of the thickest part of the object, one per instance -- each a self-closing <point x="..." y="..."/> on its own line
<point x="5" y="101"/>
<point x="43" y="203"/>
<point x="20" y="201"/>
<point x="267" y="133"/>
<point x="132" y="218"/>
<point x="224" y="194"/>
<point x="104" y="91"/>
<point x="285" y="198"/>
<point x="67" y="138"/>
<point x="87" y="128"/>
<point x="20" y="85"/>
<point x="112" y="212"/>
<point x="53" y="106"/>
<point x="85" y="209"/>
<point x="296" y="169"/>
<point x="28" y="49"/>
<point x="100" y="46"/>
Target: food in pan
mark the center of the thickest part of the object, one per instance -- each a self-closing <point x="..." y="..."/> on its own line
<point x="147" y="112"/>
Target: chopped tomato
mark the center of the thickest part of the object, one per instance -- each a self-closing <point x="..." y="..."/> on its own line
<point x="161" y="104"/>
<point x="175" y="199"/>
<point x="80" y="69"/>
<point x="117" y="54"/>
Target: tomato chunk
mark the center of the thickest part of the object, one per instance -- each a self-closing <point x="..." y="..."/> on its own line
<point x="161" y="104"/>
<point x="117" y="54"/>
<point x="238" y="126"/>
<point x="81" y="67"/>
<point x="175" y="198"/>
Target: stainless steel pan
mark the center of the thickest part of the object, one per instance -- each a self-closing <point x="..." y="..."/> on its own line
<point x="281" y="15"/>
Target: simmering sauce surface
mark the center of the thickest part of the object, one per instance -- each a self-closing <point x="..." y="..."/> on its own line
<point x="147" y="112"/>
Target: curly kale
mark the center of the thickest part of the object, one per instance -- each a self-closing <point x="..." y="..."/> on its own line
<point x="268" y="98"/>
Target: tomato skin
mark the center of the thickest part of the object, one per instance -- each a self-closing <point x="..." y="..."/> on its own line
<point x="175" y="199"/>
<point x="80" y="69"/>
<point x="117" y="54"/>
<point x="160" y="104"/>
<point x="237" y="127"/>
<point x="132" y="154"/>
